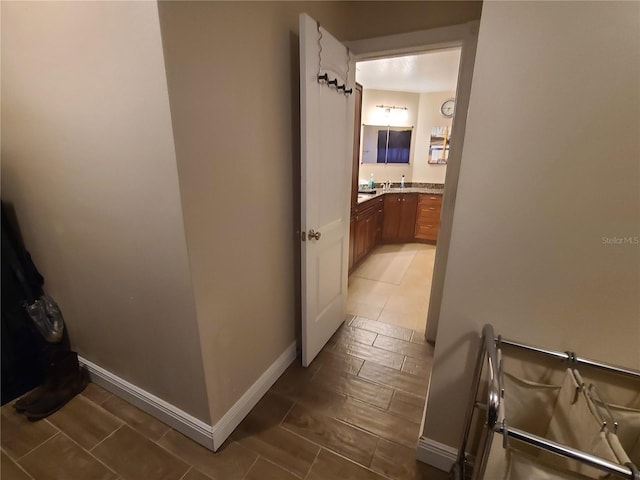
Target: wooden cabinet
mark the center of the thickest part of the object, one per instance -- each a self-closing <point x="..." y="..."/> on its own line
<point x="399" y="217"/>
<point x="428" y="217"/>
<point x="366" y="229"/>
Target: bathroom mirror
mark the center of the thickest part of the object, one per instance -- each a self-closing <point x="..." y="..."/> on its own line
<point x="386" y="144"/>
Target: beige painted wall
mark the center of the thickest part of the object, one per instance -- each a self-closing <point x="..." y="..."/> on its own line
<point x="233" y="81"/>
<point x="429" y="116"/>
<point x="371" y="115"/>
<point x="232" y="70"/>
<point x="423" y="115"/>
<point x="88" y="162"/>
<point x="527" y="251"/>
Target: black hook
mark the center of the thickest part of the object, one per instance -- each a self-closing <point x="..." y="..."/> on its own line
<point x="342" y="87"/>
<point x="349" y="91"/>
<point x="333" y="82"/>
<point x="324" y="77"/>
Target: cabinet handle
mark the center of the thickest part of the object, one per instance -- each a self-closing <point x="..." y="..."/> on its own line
<point x="433" y="198"/>
<point x="432" y="208"/>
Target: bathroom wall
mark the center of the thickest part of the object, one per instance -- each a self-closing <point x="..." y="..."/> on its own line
<point x="371" y="115"/>
<point x="423" y="114"/>
<point x="429" y="116"/>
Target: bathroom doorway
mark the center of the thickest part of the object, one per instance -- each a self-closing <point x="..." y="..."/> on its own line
<point x="415" y="93"/>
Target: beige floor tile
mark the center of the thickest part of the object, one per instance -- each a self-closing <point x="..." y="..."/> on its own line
<point x="136" y="418"/>
<point x="85" y="422"/>
<point x="364" y="285"/>
<point x="407" y="302"/>
<point x="388" y="267"/>
<point x="61" y="458"/>
<point x="409" y="321"/>
<point x="123" y="450"/>
<point x="369" y="298"/>
<point x="19" y="435"/>
<point x="363" y="310"/>
<point x="10" y="470"/>
<point x="410" y="304"/>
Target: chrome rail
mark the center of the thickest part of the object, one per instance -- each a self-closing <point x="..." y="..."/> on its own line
<point x="489" y="350"/>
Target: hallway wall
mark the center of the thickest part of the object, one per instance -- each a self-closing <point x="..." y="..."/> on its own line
<point x="88" y="162"/>
<point x="541" y="201"/>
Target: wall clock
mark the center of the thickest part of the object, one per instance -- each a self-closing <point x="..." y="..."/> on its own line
<point x="447" y="108"/>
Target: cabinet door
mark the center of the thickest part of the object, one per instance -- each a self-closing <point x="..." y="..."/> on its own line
<point x="407" y="224"/>
<point x="379" y="221"/>
<point x="361" y="238"/>
<point x="392" y="214"/>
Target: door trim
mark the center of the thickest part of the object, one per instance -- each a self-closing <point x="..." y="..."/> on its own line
<point x="464" y="36"/>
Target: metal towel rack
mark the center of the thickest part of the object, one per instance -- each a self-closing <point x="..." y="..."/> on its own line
<point x="489" y="352"/>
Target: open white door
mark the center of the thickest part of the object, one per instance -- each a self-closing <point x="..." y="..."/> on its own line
<point x="326" y="118"/>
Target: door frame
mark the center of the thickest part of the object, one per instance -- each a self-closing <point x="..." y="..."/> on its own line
<point x="464" y="36"/>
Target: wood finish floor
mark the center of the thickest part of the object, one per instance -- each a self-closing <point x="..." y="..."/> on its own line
<point x="354" y="414"/>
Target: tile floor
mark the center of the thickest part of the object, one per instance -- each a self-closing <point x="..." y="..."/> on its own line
<point x="354" y="414"/>
<point x="393" y="285"/>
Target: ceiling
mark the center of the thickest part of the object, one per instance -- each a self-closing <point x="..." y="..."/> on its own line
<point x="426" y="72"/>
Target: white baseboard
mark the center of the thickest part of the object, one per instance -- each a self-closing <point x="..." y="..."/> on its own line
<point x="230" y="420"/>
<point x="436" y="454"/>
<point x="211" y="437"/>
<point x="186" y="424"/>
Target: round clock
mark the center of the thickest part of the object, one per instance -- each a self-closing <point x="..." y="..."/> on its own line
<point x="447" y="108"/>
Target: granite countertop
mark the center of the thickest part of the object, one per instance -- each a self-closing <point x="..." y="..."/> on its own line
<point x="363" y="197"/>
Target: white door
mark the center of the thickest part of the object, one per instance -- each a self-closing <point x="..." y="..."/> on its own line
<point x="326" y="118"/>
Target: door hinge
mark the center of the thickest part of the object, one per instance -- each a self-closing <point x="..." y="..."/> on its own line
<point x="303" y="236"/>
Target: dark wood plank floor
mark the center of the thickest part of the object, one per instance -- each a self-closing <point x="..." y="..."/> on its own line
<point x="354" y="414"/>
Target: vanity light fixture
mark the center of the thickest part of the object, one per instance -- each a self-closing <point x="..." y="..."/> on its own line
<point x="391" y="111"/>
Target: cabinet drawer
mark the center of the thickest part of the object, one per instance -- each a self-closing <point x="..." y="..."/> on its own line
<point x="428" y="211"/>
<point x="428" y="217"/>
<point x="430" y="200"/>
<point x="368" y="207"/>
<point x="427" y="231"/>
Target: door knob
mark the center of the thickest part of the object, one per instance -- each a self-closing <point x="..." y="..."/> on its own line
<point x="313" y="234"/>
